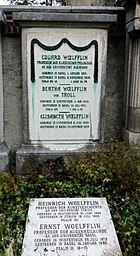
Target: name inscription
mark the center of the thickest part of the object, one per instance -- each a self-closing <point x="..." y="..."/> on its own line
<point x="69" y="226"/>
<point x="64" y="91"/>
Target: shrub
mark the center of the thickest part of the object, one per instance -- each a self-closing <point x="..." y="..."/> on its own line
<point x="112" y="172"/>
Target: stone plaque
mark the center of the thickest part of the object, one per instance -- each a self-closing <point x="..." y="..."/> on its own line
<point x="65" y="70"/>
<point x="70" y="227"/>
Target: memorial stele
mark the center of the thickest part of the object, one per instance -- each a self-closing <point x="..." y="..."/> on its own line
<point x="65" y="71"/>
<point x="70" y="227"/>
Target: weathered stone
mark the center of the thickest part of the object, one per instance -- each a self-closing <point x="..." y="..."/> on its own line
<point x="42" y="154"/>
<point x="131" y="137"/>
<point x="65" y="116"/>
<point x="132" y="16"/>
<point x="114" y="88"/>
<point x="70" y="226"/>
<point x="2" y="19"/>
<point x="15" y="117"/>
<point x="4" y="150"/>
<point x="132" y="78"/>
<point x="69" y="17"/>
<point x="1" y="95"/>
<point x="12" y="81"/>
<point x="91" y="2"/>
<point x="4" y="156"/>
<point x="79" y="2"/>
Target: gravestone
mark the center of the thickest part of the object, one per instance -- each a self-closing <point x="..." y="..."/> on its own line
<point x="70" y="226"/>
<point x="64" y="85"/>
<point x="76" y="26"/>
<point x="64" y="74"/>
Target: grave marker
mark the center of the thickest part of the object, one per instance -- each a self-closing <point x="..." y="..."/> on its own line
<point x="65" y="76"/>
<point x="70" y="227"/>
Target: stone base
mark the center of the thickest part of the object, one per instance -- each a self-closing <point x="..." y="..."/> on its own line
<point x="42" y="153"/>
<point x="4" y="156"/>
<point x="131" y="137"/>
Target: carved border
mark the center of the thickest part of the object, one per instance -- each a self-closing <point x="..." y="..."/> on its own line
<point x="55" y="47"/>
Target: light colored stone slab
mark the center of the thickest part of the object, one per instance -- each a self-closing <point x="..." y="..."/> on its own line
<point x="70" y="227"/>
<point x="64" y="92"/>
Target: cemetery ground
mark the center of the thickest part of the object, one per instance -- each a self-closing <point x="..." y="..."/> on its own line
<point x="112" y="172"/>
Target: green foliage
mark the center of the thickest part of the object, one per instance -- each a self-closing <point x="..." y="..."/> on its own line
<point x="112" y="172"/>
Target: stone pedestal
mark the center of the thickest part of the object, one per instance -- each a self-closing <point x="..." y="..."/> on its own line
<point x="4" y="150"/>
<point x="131" y="131"/>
